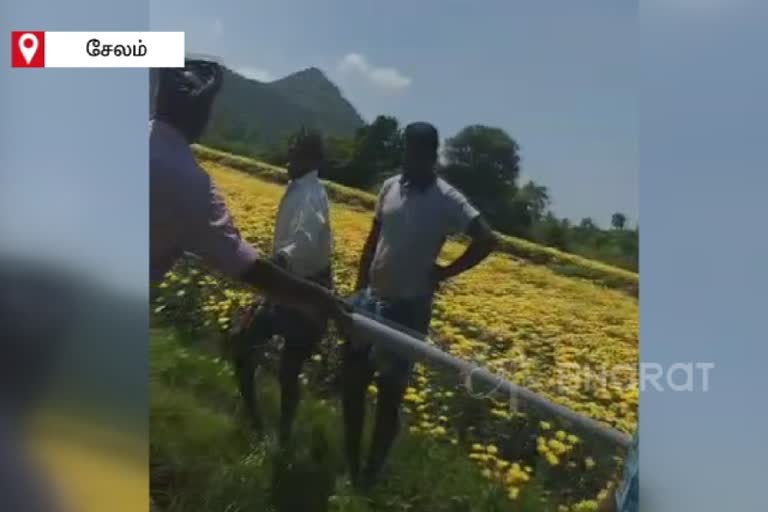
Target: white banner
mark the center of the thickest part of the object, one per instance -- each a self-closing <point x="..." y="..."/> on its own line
<point x="98" y="49"/>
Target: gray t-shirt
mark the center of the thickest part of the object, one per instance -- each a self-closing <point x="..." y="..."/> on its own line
<point x="414" y="227"/>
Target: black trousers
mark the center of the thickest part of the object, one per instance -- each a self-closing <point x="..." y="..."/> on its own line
<point x="263" y="319"/>
<point x="259" y="323"/>
<point x="358" y="373"/>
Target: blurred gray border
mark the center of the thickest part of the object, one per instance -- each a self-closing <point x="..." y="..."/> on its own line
<point x="703" y="251"/>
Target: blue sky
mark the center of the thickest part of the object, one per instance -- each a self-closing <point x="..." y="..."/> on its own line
<point x="558" y="75"/>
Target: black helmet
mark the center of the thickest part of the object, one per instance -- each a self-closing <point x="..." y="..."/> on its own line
<point x="184" y="96"/>
<point x="196" y="80"/>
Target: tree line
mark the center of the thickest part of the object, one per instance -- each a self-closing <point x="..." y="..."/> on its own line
<point x="484" y="162"/>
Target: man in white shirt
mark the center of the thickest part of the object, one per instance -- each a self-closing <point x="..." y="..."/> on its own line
<point x="302" y="244"/>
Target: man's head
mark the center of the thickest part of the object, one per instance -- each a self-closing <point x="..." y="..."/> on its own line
<point x="420" y="155"/>
<point x="305" y="153"/>
<point x="185" y="96"/>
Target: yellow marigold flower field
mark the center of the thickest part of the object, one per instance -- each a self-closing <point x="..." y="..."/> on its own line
<point x="570" y="339"/>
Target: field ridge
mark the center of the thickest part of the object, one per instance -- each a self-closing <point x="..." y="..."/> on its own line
<point x="561" y="262"/>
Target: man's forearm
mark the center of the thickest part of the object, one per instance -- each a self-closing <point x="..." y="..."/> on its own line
<point x="362" y="272"/>
<point x="288" y="289"/>
<point x="367" y="257"/>
<point x="475" y="253"/>
<point x="365" y="265"/>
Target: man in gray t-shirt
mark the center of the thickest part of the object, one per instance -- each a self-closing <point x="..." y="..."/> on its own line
<point x="415" y="213"/>
<point x="413" y="226"/>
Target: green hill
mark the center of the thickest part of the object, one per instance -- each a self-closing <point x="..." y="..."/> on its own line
<point x="249" y="116"/>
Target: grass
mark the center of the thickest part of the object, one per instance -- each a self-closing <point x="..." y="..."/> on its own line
<point x="204" y="459"/>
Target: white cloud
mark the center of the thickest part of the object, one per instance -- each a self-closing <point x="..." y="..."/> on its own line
<point x="387" y="79"/>
<point x="353" y="62"/>
<point x="262" y="75"/>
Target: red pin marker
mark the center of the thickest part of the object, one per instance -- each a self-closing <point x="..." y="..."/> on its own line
<point x="27" y="49"/>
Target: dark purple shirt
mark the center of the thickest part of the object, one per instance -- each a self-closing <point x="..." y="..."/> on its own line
<point x="187" y="214"/>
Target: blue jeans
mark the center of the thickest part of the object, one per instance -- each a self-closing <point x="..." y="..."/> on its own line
<point x="412" y="315"/>
<point x="360" y="363"/>
<point x="628" y="495"/>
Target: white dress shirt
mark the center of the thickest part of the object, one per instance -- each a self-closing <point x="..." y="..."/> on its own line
<point x="303" y="227"/>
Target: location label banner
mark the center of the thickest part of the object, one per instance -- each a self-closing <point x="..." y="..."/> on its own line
<point x="39" y="49"/>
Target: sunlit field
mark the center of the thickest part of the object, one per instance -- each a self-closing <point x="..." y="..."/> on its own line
<point x="571" y="339"/>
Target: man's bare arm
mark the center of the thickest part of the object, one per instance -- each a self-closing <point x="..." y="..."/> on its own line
<point x="290" y="290"/>
<point x="216" y="239"/>
<point x="369" y="249"/>
<point x="482" y="244"/>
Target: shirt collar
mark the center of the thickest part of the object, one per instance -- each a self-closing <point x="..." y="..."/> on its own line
<point x="407" y="185"/>
<point x="310" y="177"/>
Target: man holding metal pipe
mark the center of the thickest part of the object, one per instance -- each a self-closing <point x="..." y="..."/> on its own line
<point x="415" y="213"/>
<point x="187" y="214"/>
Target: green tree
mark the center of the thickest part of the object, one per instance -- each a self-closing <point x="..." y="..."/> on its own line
<point x="276" y="154"/>
<point x="525" y="209"/>
<point x="338" y="155"/>
<point x="536" y="198"/>
<point x="587" y="224"/>
<point x="377" y="153"/>
<point x="554" y="232"/>
<point x="586" y="233"/>
<point x="618" y="221"/>
<point x="484" y="163"/>
<point x="518" y="218"/>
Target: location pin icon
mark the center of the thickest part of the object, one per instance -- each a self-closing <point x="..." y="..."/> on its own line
<point x="28" y="44"/>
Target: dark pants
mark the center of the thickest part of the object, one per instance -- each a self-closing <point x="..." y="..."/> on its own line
<point x="392" y="381"/>
<point x="302" y="335"/>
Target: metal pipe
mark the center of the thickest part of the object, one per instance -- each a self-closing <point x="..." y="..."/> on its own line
<point x="367" y="329"/>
